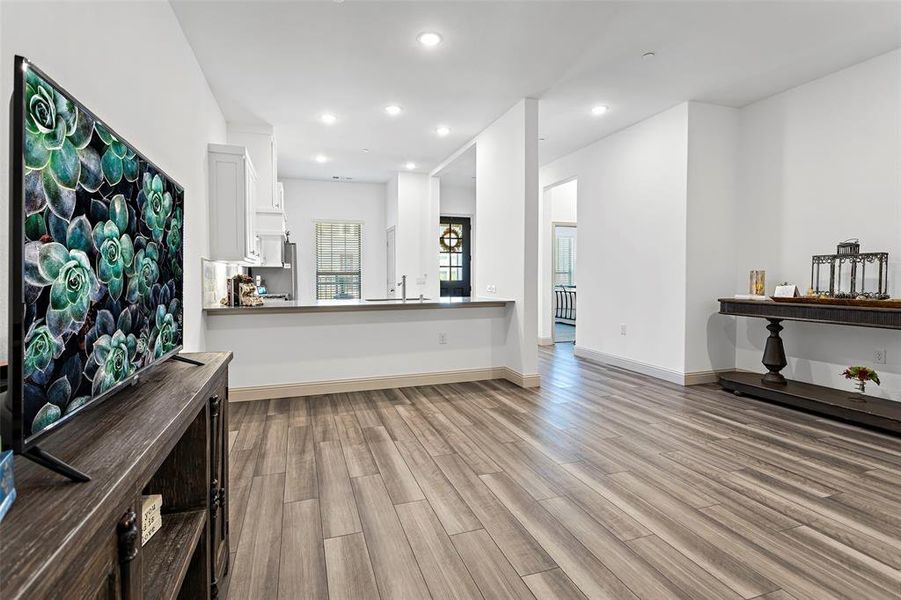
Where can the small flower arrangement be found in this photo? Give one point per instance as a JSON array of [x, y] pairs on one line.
[[860, 376]]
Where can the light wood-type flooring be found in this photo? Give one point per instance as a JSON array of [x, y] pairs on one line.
[[600, 484]]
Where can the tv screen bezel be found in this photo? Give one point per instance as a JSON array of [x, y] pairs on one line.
[[16, 305]]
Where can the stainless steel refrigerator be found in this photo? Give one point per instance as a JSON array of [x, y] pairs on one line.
[[280, 281]]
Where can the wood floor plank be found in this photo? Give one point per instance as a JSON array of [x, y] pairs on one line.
[[607, 513], [709, 556], [640, 577], [452, 511], [441, 566], [521, 549], [302, 574], [492, 572], [804, 575], [427, 435], [301, 480], [274, 451], [396, 570], [356, 451], [680, 570], [257, 559], [337, 504], [402, 486], [350, 575], [553, 585], [593, 578]]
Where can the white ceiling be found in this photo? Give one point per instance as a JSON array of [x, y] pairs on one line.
[[285, 63]]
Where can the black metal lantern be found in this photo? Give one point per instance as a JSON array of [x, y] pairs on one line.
[[850, 273]]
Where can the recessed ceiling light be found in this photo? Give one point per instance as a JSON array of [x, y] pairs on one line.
[[410, 166], [365, 150], [321, 158], [393, 110], [429, 39], [650, 54], [599, 110], [328, 118], [442, 130]]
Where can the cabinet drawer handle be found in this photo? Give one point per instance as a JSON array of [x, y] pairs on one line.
[[127, 529]]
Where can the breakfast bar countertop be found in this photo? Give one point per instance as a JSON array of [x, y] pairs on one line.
[[296, 306]]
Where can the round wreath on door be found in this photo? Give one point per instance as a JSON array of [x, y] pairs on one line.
[[451, 240]]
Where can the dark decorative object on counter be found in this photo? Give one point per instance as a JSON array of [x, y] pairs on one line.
[[847, 273]]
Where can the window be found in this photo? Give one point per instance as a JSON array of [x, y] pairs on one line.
[[338, 250], [565, 256]]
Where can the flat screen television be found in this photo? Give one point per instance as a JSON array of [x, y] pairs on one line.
[[96, 263]]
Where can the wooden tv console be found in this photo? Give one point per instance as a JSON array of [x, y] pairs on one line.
[[167, 435]]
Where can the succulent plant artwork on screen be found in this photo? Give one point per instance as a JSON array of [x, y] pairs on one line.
[[103, 256]]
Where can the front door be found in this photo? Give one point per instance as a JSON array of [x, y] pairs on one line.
[[454, 258]]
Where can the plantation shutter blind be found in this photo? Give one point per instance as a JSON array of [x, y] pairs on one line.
[[338, 256]]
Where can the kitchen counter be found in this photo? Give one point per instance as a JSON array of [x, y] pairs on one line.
[[329, 306]]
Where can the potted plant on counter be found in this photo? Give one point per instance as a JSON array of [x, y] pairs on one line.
[[860, 376]]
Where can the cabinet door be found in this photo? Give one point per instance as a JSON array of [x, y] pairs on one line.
[[227, 211], [273, 181], [250, 212], [219, 554]]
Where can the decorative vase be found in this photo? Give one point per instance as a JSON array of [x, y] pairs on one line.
[[861, 386]]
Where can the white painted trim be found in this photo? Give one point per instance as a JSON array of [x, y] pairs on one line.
[[701, 377], [362, 384], [671, 375], [663, 373], [545, 341], [528, 380]]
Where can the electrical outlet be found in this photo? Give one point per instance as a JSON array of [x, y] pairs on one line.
[[492, 289], [442, 338], [622, 329], [879, 357]]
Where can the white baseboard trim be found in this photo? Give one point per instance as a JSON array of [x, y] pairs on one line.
[[362, 384], [529, 380], [671, 375], [663, 373], [702, 377], [545, 341]]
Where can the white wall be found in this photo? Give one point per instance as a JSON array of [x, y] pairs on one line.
[[822, 163], [412, 209], [507, 212], [632, 190], [131, 64], [710, 236], [558, 205], [308, 201], [320, 347], [458, 200]]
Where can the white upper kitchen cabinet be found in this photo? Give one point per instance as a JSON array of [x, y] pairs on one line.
[[233, 189], [263, 149]]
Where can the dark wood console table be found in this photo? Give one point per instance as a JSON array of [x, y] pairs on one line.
[[774, 387], [168, 435]]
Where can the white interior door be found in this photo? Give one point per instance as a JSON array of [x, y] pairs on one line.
[[391, 262]]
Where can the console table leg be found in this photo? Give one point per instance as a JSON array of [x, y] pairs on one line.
[[774, 353]]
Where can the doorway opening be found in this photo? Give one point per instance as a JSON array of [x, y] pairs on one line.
[[564, 261], [455, 256]]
